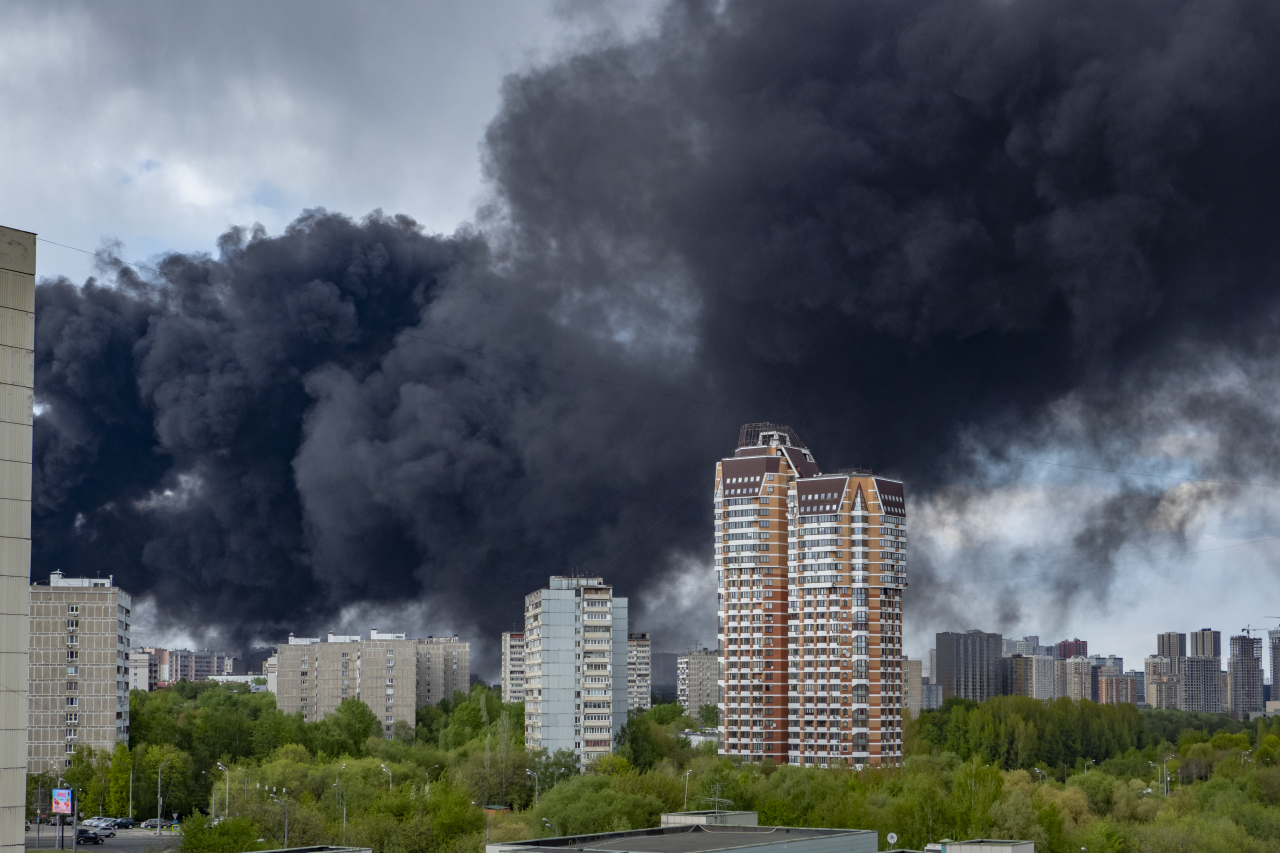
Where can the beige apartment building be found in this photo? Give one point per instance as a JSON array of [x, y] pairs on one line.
[[152, 667], [810, 570], [391, 673], [79, 678], [17, 345], [512, 666], [639, 678], [697, 680]]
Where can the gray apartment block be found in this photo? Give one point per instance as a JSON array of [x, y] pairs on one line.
[[1202, 688], [391, 673], [575, 634], [697, 677], [17, 343], [512, 666], [968, 664], [639, 675], [78, 678], [1244, 676]]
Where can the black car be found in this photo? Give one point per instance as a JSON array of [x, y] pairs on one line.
[[124, 823], [88, 836]]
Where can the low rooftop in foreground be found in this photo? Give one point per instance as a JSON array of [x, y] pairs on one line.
[[701, 838]]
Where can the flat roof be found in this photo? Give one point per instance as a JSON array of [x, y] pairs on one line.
[[698, 838]]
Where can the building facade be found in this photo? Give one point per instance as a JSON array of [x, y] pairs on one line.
[[969, 664], [1273, 642], [1027, 646], [1075, 677], [1206, 643], [1115, 687], [1068, 649], [78, 680], [512, 666], [913, 686], [1244, 676], [444, 669], [1171, 644], [1163, 681], [1202, 687], [391, 673], [697, 677], [17, 375], [810, 569], [639, 684], [575, 664], [152, 667]]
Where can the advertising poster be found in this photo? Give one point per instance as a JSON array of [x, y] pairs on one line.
[[61, 801]]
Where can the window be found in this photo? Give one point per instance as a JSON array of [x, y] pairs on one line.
[[73, 670], [73, 609], [389, 718], [73, 685], [72, 702], [73, 718]]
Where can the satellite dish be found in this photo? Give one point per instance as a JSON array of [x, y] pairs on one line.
[[893, 838]]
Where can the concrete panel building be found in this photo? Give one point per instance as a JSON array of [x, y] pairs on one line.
[[1171, 645], [968, 664], [78, 680], [1074, 678], [575, 657], [1116, 687], [1202, 682], [913, 686], [1273, 642], [697, 674], [17, 372], [391, 673], [153, 667], [639, 684], [512, 666], [1244, 676]]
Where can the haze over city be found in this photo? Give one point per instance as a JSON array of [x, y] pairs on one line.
[[431, 306]]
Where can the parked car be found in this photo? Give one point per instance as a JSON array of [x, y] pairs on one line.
[[84, 835], [124, 823], [154, 823], [28, 826], [54, 818], [106, 829]]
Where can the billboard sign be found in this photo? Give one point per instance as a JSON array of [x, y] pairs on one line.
[[61, 801]]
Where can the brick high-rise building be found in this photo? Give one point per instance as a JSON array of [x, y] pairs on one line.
[[1115, 688], [79, 673], [512, 666], [575, 654], [810, 605], [17, 343], [969, 664], [1244, 676], [1068, 649], [639, 678], [1075, 677], [697, 677], [1273, 641]]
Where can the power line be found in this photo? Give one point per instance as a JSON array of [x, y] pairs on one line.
[[409, 334], [1154, 476], [1099, 568]]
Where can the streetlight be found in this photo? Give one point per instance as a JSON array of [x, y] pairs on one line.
[[285, 803], [160, 799], [228, 803], [686, 789], [343, 794], [551, 826], [391, 779], [529, 772], [429, 769], [486, 821]]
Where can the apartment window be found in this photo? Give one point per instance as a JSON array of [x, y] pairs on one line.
[[73, 718], [391, 681], [73, 670], [391, 653], [389, 718], [72, 734], [72, 701], [73, 609], [306, 657], [73, 624], [71, 747], [344, 654], [73, 685]]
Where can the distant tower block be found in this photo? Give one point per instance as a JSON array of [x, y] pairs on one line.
[[17, 373]]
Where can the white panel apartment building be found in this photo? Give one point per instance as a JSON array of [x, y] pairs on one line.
[[697, 674], [79, 679], [575, 653], [639, 678], [512, 666]]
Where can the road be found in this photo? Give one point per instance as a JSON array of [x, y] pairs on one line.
[[126, 840]]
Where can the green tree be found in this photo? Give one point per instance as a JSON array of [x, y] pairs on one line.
[[118, 781], [709, 716]]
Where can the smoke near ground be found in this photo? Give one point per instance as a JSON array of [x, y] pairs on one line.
[[938, 238]]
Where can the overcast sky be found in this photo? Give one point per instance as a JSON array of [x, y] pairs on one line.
[[158, 125]]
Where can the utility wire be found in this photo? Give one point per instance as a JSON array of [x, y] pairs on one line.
[[1154, 476], [483, 353], [1099, 568]]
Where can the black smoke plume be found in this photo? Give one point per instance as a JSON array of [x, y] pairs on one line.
[[922, 233]]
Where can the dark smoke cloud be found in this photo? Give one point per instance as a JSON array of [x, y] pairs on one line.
[[922, 233]]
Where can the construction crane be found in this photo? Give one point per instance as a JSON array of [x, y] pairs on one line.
[[1249, 629]]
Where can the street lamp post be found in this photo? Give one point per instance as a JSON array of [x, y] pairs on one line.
[[343, 794], [429, 769], [486, 821], [227, 805], [551, 826], [285, 803], [391, 781], [159, 798], [686, 789], [529, 772]]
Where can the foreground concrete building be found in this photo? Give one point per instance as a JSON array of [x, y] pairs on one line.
[[575, 654], [512, 666], [697, 677], [17, 345], [79, 669]]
